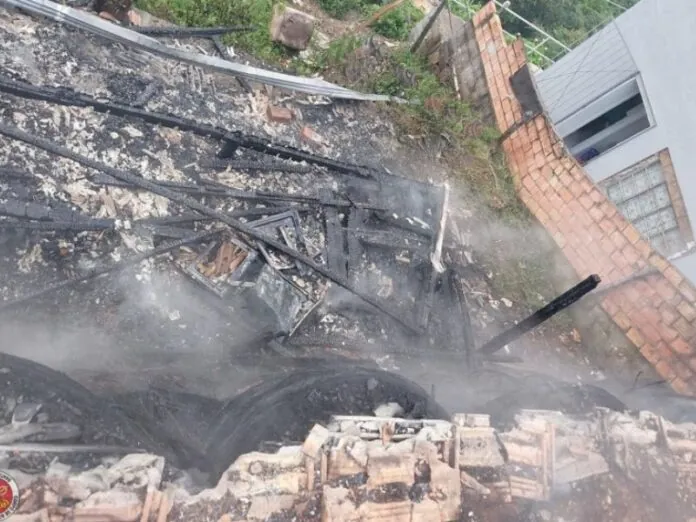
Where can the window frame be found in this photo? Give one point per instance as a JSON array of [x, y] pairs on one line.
[[580, 118], [676, 202]]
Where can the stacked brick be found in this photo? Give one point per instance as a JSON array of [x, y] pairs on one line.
[[657, 313]]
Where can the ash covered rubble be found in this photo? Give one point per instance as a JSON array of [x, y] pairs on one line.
[[155, 174], [98, 176]]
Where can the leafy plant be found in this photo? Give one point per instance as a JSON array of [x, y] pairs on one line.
[[397, 23], [340, 8], [338, 50], [209, 13]]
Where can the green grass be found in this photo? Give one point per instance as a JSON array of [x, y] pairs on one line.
[[340, 8], [210, 13], [396, 24]]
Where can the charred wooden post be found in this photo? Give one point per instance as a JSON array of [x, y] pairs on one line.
[[560, 303]]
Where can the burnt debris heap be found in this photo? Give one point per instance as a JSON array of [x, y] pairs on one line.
[[293, 234]]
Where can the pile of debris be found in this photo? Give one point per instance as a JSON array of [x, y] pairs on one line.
[[604, 466], [96, 176]]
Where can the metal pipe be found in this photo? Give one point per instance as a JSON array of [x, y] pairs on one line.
[[560, 303]]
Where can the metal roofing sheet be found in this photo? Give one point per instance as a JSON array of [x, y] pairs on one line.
[[593, 68], [95, 25]]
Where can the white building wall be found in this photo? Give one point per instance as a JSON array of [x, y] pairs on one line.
[[661, 37]]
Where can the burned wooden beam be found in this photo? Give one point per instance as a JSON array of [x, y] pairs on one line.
[[232, 139], [356, 220], [435, 269], [335, 243], [256, 166], [464, 319], [190, 32], [382, 239], [387, 217], [29, 210], [116, 267], [187, 201], [562, 302], [218, 190], [64, 226], [15, 173]]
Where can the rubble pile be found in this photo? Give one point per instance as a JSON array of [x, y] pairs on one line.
[[98, 176], [551, 466]]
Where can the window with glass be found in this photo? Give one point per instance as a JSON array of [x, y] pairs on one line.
[[642, 196]]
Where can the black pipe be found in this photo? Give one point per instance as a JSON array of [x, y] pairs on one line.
[[561, 302]]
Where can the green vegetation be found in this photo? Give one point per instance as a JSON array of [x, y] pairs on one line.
[[210, 13], [397, 24], [568, 21], [340, 8]]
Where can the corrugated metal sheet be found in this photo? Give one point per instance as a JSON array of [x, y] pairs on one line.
[[115, 33], [594, 67]]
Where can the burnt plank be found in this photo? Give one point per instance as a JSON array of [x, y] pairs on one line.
[[357, 217], [335, 243]]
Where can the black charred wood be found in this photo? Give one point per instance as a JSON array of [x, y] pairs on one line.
[[232, 140], [357, 217], [562, 302], [191, 32], [335, 243], [194, 205]]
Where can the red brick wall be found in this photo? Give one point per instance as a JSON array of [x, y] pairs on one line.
[[656, 313]]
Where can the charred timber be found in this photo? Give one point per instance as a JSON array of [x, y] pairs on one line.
[[187, 201], [116, 267], [562, 302], [191, 32], [231, 139], [212, 189], [273, 166]]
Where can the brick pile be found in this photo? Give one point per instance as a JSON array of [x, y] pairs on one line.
[[656, 312], [388, 469]]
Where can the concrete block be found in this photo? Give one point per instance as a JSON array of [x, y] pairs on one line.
[[384, 467], [292, 28], [315, 440]]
